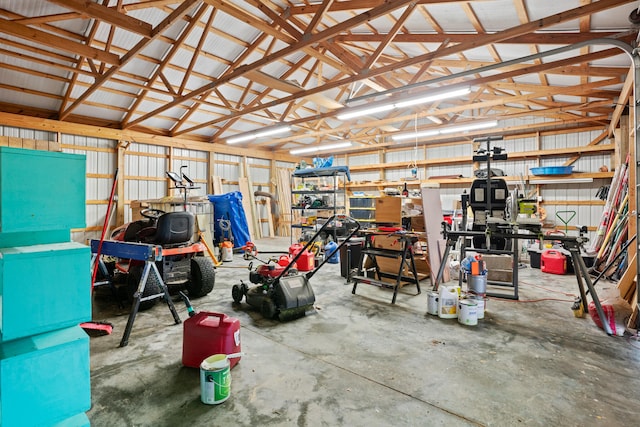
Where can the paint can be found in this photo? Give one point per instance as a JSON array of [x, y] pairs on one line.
[[480, 303], [432, 303], [467, 312], [477, 284], [215, 379], [448, 302]]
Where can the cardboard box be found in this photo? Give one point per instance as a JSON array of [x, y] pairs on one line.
[[417, 223], [498, 262], [499, 275], [388, 210], [136, 207]]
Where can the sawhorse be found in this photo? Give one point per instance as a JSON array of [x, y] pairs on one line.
[[138, 252]]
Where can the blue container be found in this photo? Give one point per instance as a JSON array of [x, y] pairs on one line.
[[43, 288], [552, 170], [331, 252], [45, 379], [40, 191]]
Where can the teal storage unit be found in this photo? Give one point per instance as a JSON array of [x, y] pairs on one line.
[[79, 420], [41, 191], [43, 287], [44, 379]]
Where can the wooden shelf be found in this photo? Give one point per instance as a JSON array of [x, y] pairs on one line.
[[467, 181]]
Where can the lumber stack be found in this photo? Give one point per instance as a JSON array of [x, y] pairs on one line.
[[613, 228], [283, 190]]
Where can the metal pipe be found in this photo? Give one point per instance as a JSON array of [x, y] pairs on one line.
[[605, 40]]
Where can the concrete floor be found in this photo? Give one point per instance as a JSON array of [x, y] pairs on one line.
[[360, 361]]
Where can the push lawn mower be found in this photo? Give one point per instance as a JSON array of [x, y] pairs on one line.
[[284, 292]]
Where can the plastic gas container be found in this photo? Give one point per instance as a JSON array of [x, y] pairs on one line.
[[206, 334], [553, 261], [306, 262]]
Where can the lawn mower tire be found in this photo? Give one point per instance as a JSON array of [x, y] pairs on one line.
[[203, 277]]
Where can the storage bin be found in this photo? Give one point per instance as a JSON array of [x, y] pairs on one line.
[[41, 190], [43, 287], [45, 378]]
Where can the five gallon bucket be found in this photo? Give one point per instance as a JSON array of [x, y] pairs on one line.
[[215, 379], [467, 312]]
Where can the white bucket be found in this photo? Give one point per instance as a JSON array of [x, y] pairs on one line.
[[448, 302], [215, 379], [480, 302], [432, 303], [467, 312]]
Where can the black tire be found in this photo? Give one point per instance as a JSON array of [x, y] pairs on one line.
[[236, 293], [268, 308], [152, 286], [203, 277]]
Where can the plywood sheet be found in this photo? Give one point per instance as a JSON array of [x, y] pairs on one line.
[[432, 209]]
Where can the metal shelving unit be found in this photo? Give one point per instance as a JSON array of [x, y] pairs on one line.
[[316, 196]]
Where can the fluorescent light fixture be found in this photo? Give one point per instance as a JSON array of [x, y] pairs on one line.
[[445, 130], [561, 181], [365, 111], [415, 135], [320, 148], [254, 135], [470, 126]]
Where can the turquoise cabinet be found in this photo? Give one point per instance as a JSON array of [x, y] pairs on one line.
[[43, 287], [41, 191], [45, 379]]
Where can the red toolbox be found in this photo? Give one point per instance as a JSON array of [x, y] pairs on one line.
[[206, 334], [553, 261]]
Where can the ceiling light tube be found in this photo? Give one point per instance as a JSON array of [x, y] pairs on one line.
[[415, 135], [431, 98], [320, 148], [253, 135], [470, 126], [365, 111], [445, 130]]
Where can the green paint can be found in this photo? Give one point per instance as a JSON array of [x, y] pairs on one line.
[[215, 379]]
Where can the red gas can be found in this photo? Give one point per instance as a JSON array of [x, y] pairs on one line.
[[554, 262], [206, 334], [306, 262]]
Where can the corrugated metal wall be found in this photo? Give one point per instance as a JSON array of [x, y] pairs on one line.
[[145, 166]]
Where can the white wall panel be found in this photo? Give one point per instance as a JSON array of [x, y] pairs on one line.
[[364, 159]]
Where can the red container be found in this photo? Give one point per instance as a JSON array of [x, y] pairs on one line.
[[306, 262], [206, 334], [554, 262]]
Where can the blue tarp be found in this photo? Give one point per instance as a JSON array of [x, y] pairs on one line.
[[229, 206]]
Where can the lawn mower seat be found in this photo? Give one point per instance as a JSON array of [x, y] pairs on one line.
[[171, 228]]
